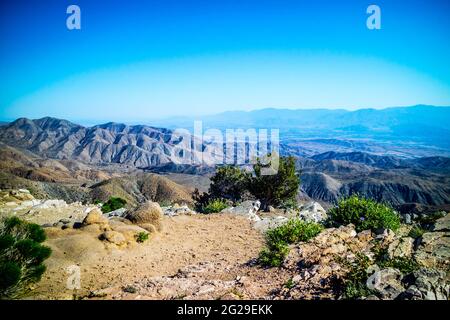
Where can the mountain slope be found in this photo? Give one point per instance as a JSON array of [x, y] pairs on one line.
[[140, 146]]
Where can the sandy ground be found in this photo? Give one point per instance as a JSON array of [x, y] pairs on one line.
[[226, 241]]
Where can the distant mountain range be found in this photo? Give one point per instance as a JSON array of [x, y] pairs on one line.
[[406, 120], [412, 131], [331, 167]]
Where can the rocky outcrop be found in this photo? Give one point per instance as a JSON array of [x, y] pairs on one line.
[[267, 223], [312, 212], [247, 208], [428, 284], [324, 262], [177, 210]]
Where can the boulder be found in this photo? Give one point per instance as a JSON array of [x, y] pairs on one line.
[[386, 283], [312, 212], [148, 212], [95, 216]]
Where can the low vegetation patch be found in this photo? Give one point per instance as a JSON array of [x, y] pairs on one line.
[[278, 239], [354, 284], [142, 237], [416, 232], [113, 204], [405, 265], [215, 206], [21, 256], [364, 214]]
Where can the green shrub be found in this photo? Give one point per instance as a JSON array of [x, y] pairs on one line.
[[354, 286], [112, 204], [229, 183], [21, 256], [165, 203], [142, 237], [274, 255], [364, 214], [278, 239], [416, 232], [293, 231], [404, 264], [215, 206], [289, 284], [276, 189]]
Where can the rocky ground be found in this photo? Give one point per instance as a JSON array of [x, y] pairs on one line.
[[194, 256]]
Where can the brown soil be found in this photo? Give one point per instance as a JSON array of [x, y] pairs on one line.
[[229, 242]]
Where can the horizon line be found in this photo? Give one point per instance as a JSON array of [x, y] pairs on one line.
[[137, 122]]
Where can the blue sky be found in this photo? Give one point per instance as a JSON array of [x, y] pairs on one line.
[[139, 60]]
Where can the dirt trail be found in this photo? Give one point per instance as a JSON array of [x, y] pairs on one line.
[[227, 242]]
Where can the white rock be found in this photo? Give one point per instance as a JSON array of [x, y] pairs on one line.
[[246, 208], [269, 223], [312, 212], [117, 213], [30, 203]]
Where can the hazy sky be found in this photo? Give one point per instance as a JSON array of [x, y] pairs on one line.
[[137, 60]]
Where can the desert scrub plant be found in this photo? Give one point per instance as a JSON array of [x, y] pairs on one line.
[[21, 256], [142, 237], [112, 204], [273, 255], [165, 203], [278, 239], [364, 214], [289, 284], [293, 231], [416, 232], [215, 206], [405, 265], [354, 286]]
